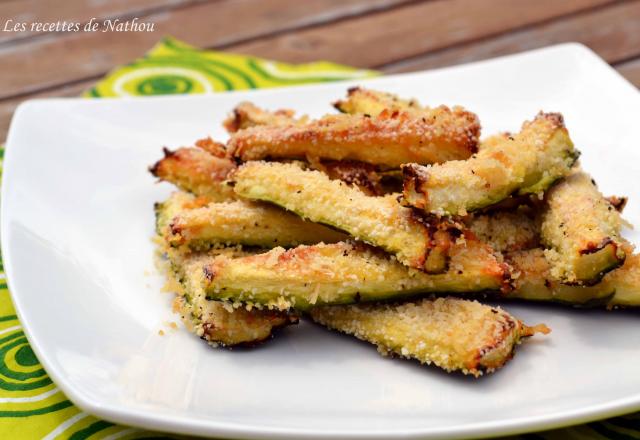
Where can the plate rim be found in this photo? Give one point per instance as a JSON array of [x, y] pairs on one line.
[[181, 424]]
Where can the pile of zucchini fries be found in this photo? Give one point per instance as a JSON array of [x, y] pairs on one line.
[[387, 221]]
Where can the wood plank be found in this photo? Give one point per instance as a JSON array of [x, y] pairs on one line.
[[404, 32], [7, 107], [56, 59], [611, 32], [630, 70], [79, 11]]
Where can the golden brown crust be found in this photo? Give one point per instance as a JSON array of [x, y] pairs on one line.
[[388, 139], [212, 147], [246, 115], [362, 175], [372, 102]]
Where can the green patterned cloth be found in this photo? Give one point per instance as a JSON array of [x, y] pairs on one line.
[[31, 406]]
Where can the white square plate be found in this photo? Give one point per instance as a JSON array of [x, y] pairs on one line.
[[77, 220]]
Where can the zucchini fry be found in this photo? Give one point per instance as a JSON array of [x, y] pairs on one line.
[[343, 273], [534, 281], [582, 230], [527, 163], [217, 322], [453, 334], [368, 102], [379, 221], [196, 171], [187, 220], [246, 115], [388, 139]]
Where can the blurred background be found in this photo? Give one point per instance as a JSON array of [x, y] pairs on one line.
[[387, 35]]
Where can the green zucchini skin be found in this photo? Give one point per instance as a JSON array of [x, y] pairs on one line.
[[528, 162]]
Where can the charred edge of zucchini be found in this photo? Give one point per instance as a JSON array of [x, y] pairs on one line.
[[155, 168], [414, 178], [492, 356], [618, 202], [354, 173], [592, 248], [212, 147], [339, 104], [289, 319], [233, 123], [441, 235]]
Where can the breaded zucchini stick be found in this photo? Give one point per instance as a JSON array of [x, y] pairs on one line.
[[582, 231], [216, 322], [388, 139], [379, 221], [528, 162], [372, 103], [534, 281], [247, 114], [453, 334], [196, 171], [343, 273], [198, 224]]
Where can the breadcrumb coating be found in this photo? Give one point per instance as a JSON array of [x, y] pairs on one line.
[[196, 171], [247, 114], [212, 147], [343, 273], [507, 231], [526, 163], [373, 102], [389, 139], [582, 231], [453, 334], [379, 221], [238, 222]]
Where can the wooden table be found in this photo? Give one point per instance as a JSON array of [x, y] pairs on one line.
[[389, 35]]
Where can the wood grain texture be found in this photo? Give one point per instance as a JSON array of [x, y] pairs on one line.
[[381, 39], [612, 32], [631, 71], [36, 64], [81, 11]]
